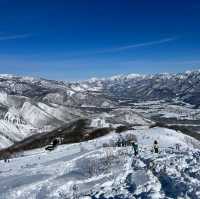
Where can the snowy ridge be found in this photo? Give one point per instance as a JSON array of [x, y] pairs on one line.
[[117, 77]]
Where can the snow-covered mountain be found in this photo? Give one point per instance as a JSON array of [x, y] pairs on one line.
[[182, 86], [32, 105], [142, 108]]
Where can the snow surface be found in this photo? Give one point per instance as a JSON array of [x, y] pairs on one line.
[[88, 170], [99, 123]]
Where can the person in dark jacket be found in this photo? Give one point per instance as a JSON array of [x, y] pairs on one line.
[[120, 140], [156, 146], [135, 148], [178, 147], [55, 142]]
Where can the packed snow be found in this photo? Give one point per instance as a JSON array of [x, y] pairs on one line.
[[91, 170]]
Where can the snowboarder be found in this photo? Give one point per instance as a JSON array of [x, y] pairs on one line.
[[55, 142], [135, 148], [156, 146]]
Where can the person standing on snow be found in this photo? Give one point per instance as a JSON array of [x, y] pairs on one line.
[[135, 148], [178, 147], [123, 142], [156, 146], [120, 140]]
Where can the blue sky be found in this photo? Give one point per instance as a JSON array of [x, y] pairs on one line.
[[76, 39]]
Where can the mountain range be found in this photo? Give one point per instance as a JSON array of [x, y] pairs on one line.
[[34, 105]]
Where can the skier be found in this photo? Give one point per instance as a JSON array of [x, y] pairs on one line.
[[156, 146], [135, 147]]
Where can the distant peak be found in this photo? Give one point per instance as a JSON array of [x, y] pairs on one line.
[[7, 75], [134, 75]]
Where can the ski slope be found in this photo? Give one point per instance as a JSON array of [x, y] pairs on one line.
[[88, 170]]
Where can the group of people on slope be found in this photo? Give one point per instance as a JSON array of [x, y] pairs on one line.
[[136, 148], [121, 142]]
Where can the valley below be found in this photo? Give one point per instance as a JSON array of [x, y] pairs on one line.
[[91, 118]]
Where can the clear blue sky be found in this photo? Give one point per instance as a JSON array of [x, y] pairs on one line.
[[79, 39]]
